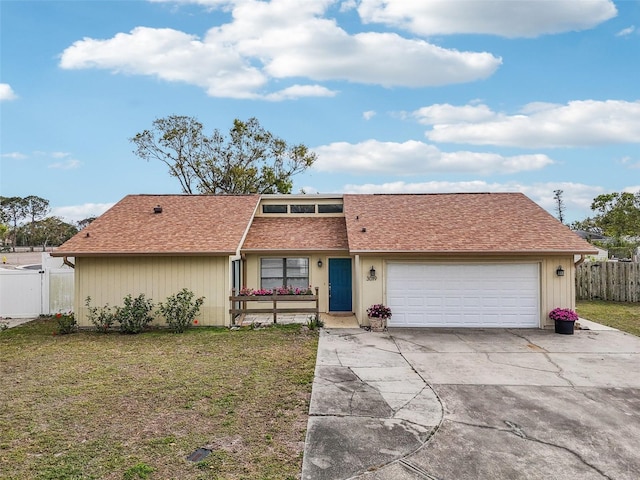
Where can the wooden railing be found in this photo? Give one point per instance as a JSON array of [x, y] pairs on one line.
[[243, 300]]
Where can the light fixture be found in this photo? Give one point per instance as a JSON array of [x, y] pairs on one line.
[[372, 274], [560, 271], [319, 263]]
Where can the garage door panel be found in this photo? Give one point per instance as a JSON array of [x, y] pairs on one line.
[[463, 295]]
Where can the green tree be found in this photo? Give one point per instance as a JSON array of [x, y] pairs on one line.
[[36, 208], [51, 231], [249, 160], [13, 210], [617, 214]]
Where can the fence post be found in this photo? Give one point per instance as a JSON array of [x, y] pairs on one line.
[[317, 306], [275, 306]]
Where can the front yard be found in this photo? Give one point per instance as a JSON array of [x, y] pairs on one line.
[[620, 315], [96, 406]]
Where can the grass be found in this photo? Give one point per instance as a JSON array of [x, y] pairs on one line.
[[620, 315], [111, 406]]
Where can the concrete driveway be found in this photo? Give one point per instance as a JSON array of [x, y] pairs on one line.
[[475, 404]]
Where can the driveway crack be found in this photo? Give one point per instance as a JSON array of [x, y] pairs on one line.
[[515, 429]]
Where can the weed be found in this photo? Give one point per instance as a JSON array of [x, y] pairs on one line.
[[139, 470]]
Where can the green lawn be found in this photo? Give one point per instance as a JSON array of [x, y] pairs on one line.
[[623, 316], [96, 406]]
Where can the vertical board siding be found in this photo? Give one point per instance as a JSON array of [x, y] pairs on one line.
[[107, 280], [611, 281]]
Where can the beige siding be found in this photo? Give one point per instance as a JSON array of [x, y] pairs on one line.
[[107, 280]]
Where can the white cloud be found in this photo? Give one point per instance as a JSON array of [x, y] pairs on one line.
[[7, 93], [538, 125], [69, 164], [625, 32], [76, 213], [505, 18], [281, 39], [298, 91], [369, 114], [14, 155], [411, 157], [576, 196]]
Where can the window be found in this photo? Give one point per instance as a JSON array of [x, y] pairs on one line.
[[284, 272], [302, 208], [330, 208], [274, 209]]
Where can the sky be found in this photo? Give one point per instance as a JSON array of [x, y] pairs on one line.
[[394, 96]]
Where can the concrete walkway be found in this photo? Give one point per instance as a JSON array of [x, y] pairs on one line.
[[475, 404]]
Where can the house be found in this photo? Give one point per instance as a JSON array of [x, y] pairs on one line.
[[438, 260]]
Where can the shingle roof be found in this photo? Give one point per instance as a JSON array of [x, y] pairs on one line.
[[301, 233], [188, 224], [487, 223]]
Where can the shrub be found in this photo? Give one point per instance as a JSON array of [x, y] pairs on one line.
[[101, 317], [135, 315], [66, 323], [180, 310]]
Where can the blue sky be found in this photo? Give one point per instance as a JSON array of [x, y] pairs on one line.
[[394, 96]]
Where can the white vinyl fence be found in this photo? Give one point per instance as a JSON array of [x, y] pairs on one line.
[[26, 293]]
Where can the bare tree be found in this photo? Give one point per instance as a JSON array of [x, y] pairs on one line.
[[560, 208]]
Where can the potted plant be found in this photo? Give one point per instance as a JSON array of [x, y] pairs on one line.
[[378, 315], [564, 318]]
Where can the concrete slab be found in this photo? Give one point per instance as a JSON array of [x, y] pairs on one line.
[[498, 404]]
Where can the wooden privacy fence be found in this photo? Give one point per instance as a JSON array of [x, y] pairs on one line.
[[613, 281], [239, 304]]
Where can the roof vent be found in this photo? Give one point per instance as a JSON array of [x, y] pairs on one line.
[[157, 209]]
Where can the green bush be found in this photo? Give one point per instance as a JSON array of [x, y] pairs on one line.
[[180, 310], [66, 323], [101, 317], [135, 315]]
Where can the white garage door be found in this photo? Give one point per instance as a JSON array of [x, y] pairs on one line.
[[463, 295]]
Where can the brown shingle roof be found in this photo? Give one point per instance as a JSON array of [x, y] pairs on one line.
[[301, 233], [489, 223], [188, 224]]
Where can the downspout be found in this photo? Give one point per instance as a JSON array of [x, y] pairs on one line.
[[579, 262], [66, 261]]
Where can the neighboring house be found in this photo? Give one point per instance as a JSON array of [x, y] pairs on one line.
[[438, 260], [601, 256]]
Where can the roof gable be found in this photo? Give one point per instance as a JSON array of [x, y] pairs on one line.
[[296, 233], [491, 223], [187, 224]]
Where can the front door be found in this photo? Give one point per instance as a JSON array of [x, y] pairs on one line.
[[340, 285]]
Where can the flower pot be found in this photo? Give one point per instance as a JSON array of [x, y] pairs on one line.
[[564, 327], [377, 324]]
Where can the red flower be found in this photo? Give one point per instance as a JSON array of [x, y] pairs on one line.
[[58, 315], [195, 322]]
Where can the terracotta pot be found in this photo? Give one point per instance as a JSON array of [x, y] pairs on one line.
[[377, 324]]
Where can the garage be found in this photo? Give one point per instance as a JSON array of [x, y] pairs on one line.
[[498, 295]]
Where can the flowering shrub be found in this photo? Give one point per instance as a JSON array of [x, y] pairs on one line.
[[180, 310], [379, 311], [135, 315], [66, 323], [101, 317], [563, 314], [244, 291]]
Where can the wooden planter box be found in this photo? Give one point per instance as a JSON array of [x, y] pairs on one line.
[[241, 301]]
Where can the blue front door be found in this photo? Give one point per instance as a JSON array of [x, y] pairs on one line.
[[340, 285]]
